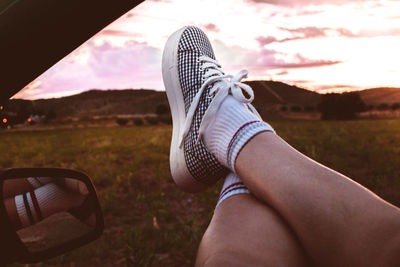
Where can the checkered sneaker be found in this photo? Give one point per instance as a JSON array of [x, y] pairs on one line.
[[183, 77], [202, 164]]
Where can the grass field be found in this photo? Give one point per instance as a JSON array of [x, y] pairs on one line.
[[148, 221]]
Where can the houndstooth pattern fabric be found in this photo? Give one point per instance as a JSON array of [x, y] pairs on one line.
[[202, 165]]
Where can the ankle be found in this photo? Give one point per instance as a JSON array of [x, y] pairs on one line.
[[234, 125], [243, 136], [233, 185]]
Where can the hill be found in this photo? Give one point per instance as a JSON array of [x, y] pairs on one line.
[[271, 98], [376, 96], [271, 92], [100, 102]]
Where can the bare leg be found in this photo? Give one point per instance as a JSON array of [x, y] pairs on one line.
[[338, 221], [245, 232]]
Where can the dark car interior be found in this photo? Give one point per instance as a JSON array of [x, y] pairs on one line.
[[37, 34], [34, 36]]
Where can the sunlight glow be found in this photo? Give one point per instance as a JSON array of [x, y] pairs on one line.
[[321, 46]]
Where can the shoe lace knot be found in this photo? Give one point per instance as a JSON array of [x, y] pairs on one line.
[[222, 86]]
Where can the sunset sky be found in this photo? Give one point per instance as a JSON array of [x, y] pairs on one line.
[[322, 45]]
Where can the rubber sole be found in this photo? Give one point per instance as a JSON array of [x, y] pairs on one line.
[[179, 170]]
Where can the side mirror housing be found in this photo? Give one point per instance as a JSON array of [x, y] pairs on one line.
[[46, 212]]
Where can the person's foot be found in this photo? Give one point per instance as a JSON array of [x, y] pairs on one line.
[[193, 167], [197, 90]]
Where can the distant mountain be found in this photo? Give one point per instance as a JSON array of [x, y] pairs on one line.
[[382, 95], [270, 98], [271, 92], [105, 102]]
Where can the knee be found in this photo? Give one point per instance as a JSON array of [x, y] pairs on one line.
[[213, 251], [207, 250]]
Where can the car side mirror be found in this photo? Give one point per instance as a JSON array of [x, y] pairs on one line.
[[46, 212]]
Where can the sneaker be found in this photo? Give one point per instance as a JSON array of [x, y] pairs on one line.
[[193, 168], [193, 79]]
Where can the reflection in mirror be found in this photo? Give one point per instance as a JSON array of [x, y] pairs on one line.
[[48, 212]]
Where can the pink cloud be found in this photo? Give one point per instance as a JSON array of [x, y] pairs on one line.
[[283, 72], [266, 40], [106, 67], [305, 33], [258, 61], [211, 27], [269, 60]]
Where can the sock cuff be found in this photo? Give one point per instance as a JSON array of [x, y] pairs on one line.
[[233, 185], [243, 135], [49, 197], [26, 209], [21, 211], [33, 206]]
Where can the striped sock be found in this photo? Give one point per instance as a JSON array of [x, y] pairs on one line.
[[74, 185], [232, 186], [234, 125], [44, 201]]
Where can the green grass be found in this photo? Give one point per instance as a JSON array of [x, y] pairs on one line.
[[148, 221]]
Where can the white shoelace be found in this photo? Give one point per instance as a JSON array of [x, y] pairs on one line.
[[224, 85]]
